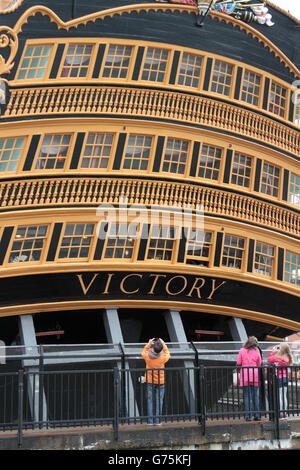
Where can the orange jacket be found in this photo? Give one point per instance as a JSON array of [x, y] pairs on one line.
[[157, 363]]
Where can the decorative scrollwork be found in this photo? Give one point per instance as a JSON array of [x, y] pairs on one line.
[[8, 38]]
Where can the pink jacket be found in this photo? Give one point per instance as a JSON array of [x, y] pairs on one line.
[[279, 361], [249, 358]]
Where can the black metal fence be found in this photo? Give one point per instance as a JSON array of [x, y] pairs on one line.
[[36, 398]]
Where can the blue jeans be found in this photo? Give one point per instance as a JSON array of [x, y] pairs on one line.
[[155, 398], [251, 401]]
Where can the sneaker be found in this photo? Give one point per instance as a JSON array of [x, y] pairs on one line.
[[158, 424]]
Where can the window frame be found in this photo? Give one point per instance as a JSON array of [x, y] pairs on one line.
[[93, 55], [23, 152], [274, 261], [67, 158], [175, 240], [233, 78], [252, 171], [169, 62], [261, 86], [135, 246], [272, 186], [110, 157], [222, 162], [289, 273], [92, 245], [151, 153], [43, 251], [244, 250], [294, 195], [132, 60], [202, 70], [287, 98], [205, 244], [37, 43], [170, 162]]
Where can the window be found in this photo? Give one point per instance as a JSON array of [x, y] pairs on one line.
[[28, 244], [270, 180], [292, 268], [297, 116], [250, 89], [34, 63], [277, 101], [155, 64], [221, 78], [198, 247], [117, 61], [10, 152], [97, 150], [189, 70], [121, 241], [53, 152], [137, 152], [161, 243], [294, 193], [210, 162], [76, 241], [241, 170], [264, 258], [233, 250], [175, 156], [76, 61]]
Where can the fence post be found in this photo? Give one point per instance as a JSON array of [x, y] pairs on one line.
[[20, 406], [275, 401], [116, 403], [40, 381], [202, 405]]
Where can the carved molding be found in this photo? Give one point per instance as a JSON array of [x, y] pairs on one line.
[[8, 6], [8, 39], [119, 11]]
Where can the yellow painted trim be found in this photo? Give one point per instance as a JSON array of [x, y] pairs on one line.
[[150, 304], [154, 7]]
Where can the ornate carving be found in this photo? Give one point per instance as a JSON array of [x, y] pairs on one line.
[[7, 6], [8, 39]]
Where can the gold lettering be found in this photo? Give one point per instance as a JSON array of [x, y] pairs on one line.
[[107, 283], [175, 293], [215, 288], [122, 284], [86, 289], [197, 288], [155, 281]]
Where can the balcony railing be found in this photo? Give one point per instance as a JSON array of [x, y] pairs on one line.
[[89, 191], [156, 104]]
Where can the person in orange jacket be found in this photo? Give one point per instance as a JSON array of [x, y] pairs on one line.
[[155, 354]]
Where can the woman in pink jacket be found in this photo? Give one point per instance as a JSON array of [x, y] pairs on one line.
[[249, 358], [282, 357]]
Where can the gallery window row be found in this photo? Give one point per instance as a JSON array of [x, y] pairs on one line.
[[159, 65], [100, 152], [156, 242]]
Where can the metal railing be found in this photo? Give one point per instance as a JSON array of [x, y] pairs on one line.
[[38, 398]]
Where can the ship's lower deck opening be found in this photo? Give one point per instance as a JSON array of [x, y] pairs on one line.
[[137, 326]]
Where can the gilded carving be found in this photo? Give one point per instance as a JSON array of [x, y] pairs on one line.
[[8, 6], [8, 39]]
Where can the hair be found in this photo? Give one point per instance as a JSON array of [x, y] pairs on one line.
[[157, 346], [251, 343], [285, 351]]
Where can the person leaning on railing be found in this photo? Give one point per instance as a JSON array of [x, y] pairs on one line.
[[155, 354], [249, 358], [282, 357]]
